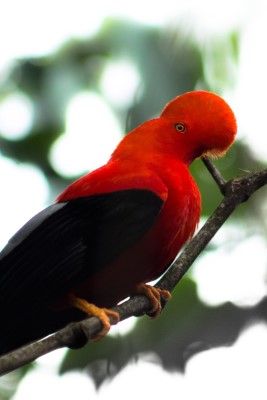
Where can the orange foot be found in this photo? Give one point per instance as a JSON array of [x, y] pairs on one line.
[[104, 314], [154, 295]]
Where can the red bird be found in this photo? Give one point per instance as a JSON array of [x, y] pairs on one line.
[[115, 229]]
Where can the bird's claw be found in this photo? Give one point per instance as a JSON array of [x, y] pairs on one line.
[[103, 314], [154, 294]]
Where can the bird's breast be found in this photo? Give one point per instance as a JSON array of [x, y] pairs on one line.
[[150, 256], [179, 216]]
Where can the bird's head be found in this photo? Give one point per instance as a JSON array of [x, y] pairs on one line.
[[192, 125], [205, 122]]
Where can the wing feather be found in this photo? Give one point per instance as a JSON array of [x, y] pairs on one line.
[[67, 242]]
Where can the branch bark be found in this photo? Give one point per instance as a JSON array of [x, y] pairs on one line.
[[76, 335]]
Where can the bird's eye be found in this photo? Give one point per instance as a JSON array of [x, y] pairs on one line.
[[180, 127]]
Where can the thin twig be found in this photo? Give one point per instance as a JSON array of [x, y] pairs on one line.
[[215, 173], [77, 334]]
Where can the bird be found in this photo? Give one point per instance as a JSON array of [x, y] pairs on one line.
[[114, 230]]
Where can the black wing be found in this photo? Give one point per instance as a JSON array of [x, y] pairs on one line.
[[66, 242]]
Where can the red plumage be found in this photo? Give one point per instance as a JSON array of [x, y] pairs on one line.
[[119, 226]]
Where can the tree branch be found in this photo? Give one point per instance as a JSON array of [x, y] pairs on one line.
[[76, 335]]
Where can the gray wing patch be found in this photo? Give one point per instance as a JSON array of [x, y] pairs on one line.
[[29, 227]]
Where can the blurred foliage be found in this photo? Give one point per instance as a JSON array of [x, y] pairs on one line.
[[221, 61], [169, 63], [9, 382]]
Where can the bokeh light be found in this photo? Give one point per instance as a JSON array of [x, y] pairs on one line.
[[16, 116], [217, 278], [26, 192], [120, 83], [91, 135]]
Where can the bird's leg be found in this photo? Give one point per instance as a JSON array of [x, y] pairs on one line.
[[154, 295], [104, 314]]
